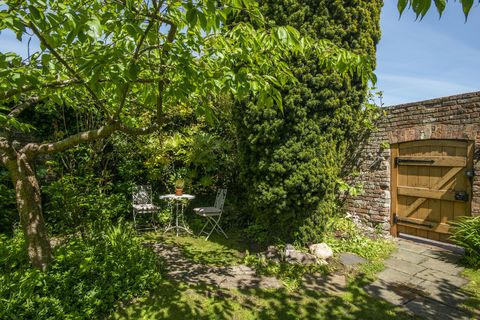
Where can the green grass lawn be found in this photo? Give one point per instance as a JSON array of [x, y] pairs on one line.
[[181, 301], [473, 303]]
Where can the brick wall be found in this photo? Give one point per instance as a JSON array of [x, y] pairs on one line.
[[454, 117]]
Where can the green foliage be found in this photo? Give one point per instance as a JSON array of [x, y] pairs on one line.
[[291, 161], [346, 237], [466, 233], [421, 7], [8, 211], [201, 155], [290, 274], [77, 202], [131, 61], [88, 278], [84, 186]]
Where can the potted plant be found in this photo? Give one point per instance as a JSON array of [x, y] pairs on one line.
[[179, 184]]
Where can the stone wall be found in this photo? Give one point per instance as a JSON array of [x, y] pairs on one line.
[[454, 117]]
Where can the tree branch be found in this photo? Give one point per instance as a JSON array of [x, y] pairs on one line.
[[24, 106], [87, 136], [55, 84], [76, 139]]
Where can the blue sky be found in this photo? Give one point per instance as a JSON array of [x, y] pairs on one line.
[[428, 59], [415, 60]]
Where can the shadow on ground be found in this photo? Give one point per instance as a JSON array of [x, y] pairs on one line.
[[174, 301]]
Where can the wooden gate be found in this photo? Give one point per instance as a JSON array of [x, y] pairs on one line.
[[431, 186]]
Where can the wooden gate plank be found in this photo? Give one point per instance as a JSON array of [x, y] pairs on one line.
[[393, 189], [444, 180], [435, 143], [427, 193], [429, 226]]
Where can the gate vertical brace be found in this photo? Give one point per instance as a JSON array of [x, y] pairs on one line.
[[470, 166], [393, 189]]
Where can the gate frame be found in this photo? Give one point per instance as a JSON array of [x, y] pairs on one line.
[[394, 151]]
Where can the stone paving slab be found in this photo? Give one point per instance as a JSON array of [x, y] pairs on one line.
[[443, 266], [390, 292], [431, 309], [423, 279], [409, 256], [413, 247], [393, 276], [404, 266], [439, 276], [443, 292]]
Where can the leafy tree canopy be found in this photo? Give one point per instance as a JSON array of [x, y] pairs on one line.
[[124, 58]]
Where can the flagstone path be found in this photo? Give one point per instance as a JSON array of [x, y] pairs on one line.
[[424, 279], [238, 276]]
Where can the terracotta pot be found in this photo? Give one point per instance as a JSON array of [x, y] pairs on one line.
[[178, 192]]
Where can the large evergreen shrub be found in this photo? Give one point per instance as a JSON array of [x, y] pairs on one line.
[[291, 160]]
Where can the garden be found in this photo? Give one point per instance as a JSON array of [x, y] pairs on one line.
[[264, 100]]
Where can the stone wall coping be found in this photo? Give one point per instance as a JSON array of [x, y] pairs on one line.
[[433, 102]]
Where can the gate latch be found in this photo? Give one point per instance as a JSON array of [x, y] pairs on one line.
[[461, 196]]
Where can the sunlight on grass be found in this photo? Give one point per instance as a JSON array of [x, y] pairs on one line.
[[174, 300], [177, 301], [217, 251], [473, 303]]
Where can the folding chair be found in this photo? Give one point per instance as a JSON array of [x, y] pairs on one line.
[[213, 214], [142, 204]]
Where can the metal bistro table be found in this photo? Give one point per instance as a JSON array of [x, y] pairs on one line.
[[177, 203]]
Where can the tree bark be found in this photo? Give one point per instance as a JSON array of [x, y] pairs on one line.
[[29, 205]]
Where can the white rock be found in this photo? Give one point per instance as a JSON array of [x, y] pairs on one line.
[[321, 250]]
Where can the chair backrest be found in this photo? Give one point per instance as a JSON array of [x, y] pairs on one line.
[[142, 194], [220, 199]]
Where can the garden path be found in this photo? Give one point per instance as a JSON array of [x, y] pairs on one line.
[[424, 279], [235, 277]]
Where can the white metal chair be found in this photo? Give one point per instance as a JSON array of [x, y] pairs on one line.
[[213, 214], [142, 204]]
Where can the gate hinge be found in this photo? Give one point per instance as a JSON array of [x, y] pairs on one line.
[[395, 219]]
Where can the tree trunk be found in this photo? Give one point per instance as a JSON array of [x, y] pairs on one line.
[[29, 205]]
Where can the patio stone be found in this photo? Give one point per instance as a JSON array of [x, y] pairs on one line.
[[404, 266], [438, 276], [393, 276], [350, 259], [443, 266], [430, 309], [393, 293], [442, 292], [426, 283], [409, 256], [412, 247]]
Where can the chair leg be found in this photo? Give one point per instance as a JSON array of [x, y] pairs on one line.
[[218, 228], [215, 226], [134, 220]]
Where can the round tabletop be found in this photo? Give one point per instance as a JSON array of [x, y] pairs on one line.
[[175, 197]]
